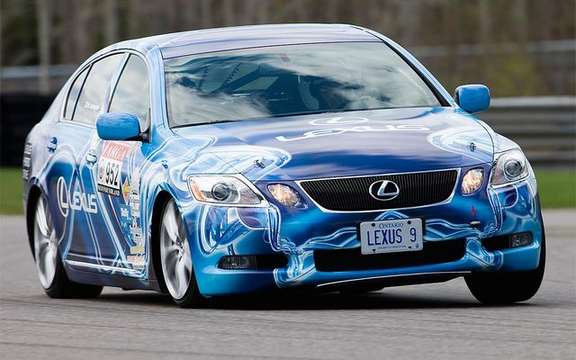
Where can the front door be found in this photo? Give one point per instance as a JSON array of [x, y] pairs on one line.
[[117, 174]]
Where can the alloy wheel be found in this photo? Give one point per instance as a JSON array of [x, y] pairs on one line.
[[45, 244], [175, 254]]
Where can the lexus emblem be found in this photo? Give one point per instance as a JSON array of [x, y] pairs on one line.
[[63, 196], [384, 190]]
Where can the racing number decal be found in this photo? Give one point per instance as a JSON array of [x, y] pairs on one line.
[[110, 166], [112, 173]]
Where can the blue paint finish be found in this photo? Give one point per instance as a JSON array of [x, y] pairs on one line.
[[108, 224], [473, 98], [117, 126], [362, 142]]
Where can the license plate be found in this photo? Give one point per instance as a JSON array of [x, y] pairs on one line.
[[389, 236]]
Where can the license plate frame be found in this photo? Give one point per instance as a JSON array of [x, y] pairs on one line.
[[391, 236]]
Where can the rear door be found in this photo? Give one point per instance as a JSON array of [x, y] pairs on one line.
[[91, 242], [65, 146]]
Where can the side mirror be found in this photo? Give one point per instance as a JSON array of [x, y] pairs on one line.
[[473, 98], [118, 126]]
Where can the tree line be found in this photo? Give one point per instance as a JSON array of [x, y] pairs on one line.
[[68, 31]]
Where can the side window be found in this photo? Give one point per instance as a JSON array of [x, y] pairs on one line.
[[132, 91], [95, 89], [73, 94]]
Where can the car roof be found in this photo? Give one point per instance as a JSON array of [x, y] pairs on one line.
[[240, 37]]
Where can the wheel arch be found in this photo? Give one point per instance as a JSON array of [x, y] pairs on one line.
[[34, 194], [156, 276]]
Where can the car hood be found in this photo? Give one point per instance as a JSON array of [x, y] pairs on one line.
[[348, 143]]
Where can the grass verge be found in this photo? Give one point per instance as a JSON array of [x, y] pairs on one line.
[[10, 190], [557, 188]]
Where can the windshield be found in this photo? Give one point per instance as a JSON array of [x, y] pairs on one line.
[[290, 80]]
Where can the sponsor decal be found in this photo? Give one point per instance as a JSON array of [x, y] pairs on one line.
[[355, 129], [130, 213], [134, 193], [92, 107], [137, 249], [125, 219], [27, 161], [126, 191], [110, 167], [136, 260], [77, 200], [134, 201], [340, 120], [124, 212], [136, 231], [131, 195]]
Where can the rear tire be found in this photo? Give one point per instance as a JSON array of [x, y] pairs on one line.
[[176, 258], [507, 287], [51, 273]]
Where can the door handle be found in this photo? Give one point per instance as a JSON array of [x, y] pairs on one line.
[[52, 144], [91, 157]]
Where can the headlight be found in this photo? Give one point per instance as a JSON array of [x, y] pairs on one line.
[[510, 166], [285, 195], [225, 190], [472, 181]]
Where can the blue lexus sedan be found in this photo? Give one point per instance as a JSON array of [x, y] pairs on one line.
[[259, 158]]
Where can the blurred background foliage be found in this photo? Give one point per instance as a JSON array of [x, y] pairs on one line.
[[517, 47]]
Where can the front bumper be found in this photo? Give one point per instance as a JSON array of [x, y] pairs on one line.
[[297, 233]]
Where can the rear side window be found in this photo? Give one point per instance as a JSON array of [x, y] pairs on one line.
[[95, 89], [73, 94], [132, 91]]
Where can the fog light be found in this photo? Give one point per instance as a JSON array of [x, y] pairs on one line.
[[520, 239], [472, 181], [253, 262], [235, 262], [285, 195]]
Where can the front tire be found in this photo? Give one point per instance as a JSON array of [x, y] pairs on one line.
[[51, 273], [176, 258], [507, 287]]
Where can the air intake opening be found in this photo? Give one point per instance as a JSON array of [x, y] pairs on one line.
[[434, 252]]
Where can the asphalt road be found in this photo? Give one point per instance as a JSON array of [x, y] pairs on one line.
[[439, 321]]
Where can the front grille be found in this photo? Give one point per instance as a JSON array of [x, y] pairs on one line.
[[434, 252], [352, 193]]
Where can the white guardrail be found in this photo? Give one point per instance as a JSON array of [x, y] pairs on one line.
[[545, 127]]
